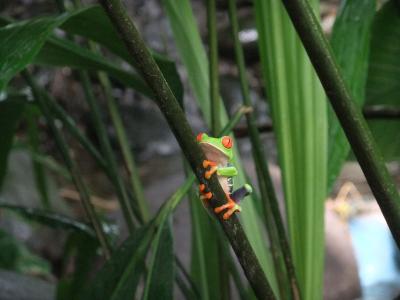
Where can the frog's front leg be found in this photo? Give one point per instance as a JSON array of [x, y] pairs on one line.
[[206, 195], [212, 170]]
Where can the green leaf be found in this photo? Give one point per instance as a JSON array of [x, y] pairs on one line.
[[53, 220], [192, 53], [85, 251], [21, 42], [15, 256], [32, 115], [160, 277], [11, 110], [383, 83], [350, 43], [61, 52], [95, 25], [299, 115], [119, 277], [204, 268]]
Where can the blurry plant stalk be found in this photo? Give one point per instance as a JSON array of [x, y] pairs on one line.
[[350, 117], [186, 139], [274, 224], [43, 99]]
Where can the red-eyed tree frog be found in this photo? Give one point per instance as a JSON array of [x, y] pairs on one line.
[[219, 153]]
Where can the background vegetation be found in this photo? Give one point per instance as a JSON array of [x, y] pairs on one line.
[[104, 53]]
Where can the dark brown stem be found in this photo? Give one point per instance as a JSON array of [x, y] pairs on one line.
[[178, 123]]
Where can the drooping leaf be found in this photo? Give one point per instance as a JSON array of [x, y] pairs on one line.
[[21, 42], [350, 43], [51, 219], [11, 110], [192, 53], [95, 25], [61, 52], [160, 277], [299, 114], [383, 83]]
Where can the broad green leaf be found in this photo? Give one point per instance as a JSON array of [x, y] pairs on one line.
[[21, 42], [11, 110], [299, 115], [160, 277], [350, 43], [383, 83], [119, 277], [193, 56], [95, 25], [51, 219], [61, 52]]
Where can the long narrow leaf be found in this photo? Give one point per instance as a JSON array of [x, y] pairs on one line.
[[192, 53], [300, 120], [160, 277], [351, 43], [61, 52]]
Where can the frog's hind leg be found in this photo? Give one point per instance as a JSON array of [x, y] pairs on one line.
[[242, 192]]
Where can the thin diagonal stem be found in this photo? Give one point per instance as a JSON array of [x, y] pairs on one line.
[[349, 115], [127, 208], [213, 66], [176, 119], [279, 242], [43, 100]]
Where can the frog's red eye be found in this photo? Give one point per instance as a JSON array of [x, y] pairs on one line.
[[199, 136], [227, 142]]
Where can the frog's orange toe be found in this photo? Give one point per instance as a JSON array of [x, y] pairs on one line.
[[207, 163], [208, 195], [230, 212], [209, 173], [202, 187]]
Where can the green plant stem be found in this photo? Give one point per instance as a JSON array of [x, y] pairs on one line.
[[275, 228], [43, 100], [169, 106], [350, 117], [126, 206], [213, 65], [136, 186], [73, 129]]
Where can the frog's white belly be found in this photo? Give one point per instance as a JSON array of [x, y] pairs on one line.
[[224, 182]]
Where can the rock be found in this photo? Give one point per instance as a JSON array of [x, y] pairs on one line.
[[341, 274], [14, 286]]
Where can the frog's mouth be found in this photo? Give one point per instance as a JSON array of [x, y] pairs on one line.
[[214, 154]]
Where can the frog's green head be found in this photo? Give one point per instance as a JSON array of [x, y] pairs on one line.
[[222, 145]]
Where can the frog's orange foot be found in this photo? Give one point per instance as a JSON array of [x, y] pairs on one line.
[[209, 173], [208, 163], [202, 187], [206, 196], [230, 212], [232, 208]]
